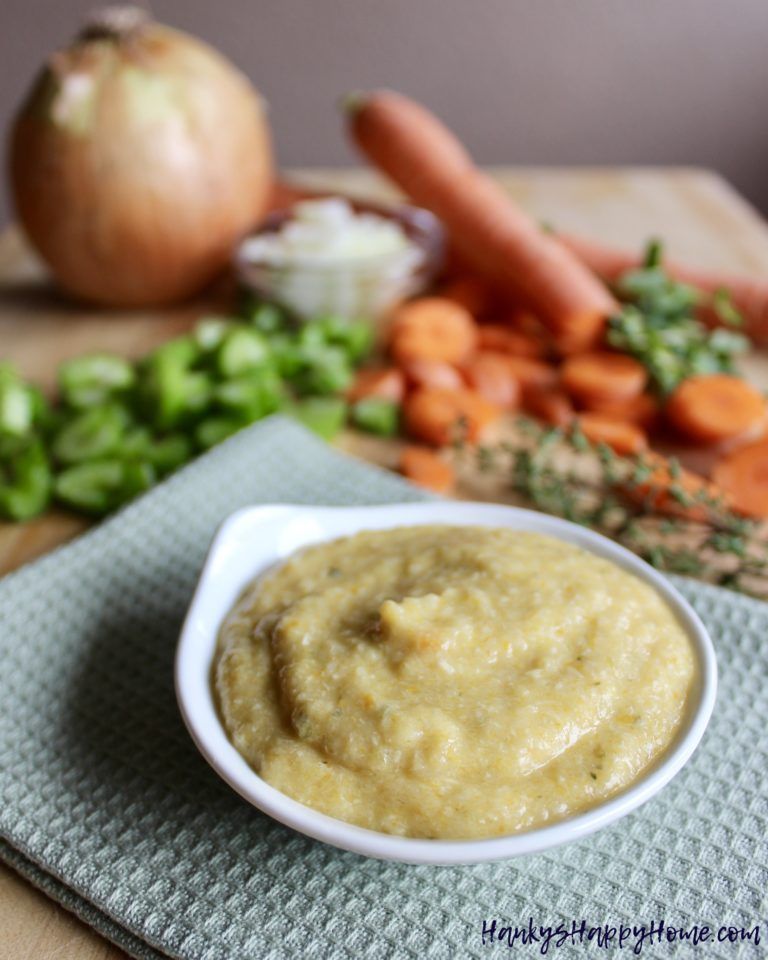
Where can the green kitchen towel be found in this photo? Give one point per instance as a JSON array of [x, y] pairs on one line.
[[108, 808]]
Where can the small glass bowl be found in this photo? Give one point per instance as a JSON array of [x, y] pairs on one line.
[[364, 287]]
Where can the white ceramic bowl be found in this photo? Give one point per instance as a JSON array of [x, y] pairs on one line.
[[256, 537]]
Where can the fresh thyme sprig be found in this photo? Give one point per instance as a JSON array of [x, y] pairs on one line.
[[679, 530]]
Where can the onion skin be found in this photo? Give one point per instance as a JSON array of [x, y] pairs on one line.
[[137, 163]]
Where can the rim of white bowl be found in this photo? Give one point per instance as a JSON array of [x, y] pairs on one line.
[[194, 690]]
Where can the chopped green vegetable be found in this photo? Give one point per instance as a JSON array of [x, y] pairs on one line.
[[25, 482], [657, 325], [17, 404], [100, 486], [42, 413], [266, 317], [252, 397], [94, 379], [326, 370], [120, 425], [325, 416], [376, 415], [165, 454], [169, 453], [210, 332], [170, 391], [184, 351], [90, 435], [242, 349], [213, 430], [288, 356], [355, 337]]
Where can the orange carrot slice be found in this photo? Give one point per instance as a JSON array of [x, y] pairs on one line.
[[715, 407], [532, 374], [425, 468], [498, 239], [603, 376], [490, 376], [387, 383], [624, 438], [644, 410], [743, 475], [551, 406], [432, 373], [440, 417], [432, 328], [501, 339]]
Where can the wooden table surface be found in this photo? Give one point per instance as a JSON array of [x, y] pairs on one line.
[[700, 217]]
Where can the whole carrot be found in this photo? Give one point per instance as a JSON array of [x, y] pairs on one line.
[[490, 231], [748, 295]]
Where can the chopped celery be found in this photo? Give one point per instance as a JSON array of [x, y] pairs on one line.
[[91, 435], [242, 349], [183, 351], [355, 337], [267, 317], [25, 482], [119, 425], [325, 416], [169, 453], [170, 391], [326, 371], [21, 406], [17, 409], [135, 442], [288, 356], [102, 485], [210, 332], [376, 415], [165, 454], [213, 430], [138, 476], [254, 396], [311, 336], [93, 379], [42, 412]]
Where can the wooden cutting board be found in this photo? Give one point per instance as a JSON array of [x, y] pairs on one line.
[[700, 217]]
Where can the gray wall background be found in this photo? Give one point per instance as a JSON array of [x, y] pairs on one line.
[[521, 81]]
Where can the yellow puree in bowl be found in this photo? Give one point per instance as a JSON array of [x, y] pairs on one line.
[[451, 682]]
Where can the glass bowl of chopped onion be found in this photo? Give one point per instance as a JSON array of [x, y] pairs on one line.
[[346, 258]]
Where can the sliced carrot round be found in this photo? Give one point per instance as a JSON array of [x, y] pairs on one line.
[[603, 376], [716, 407], [492, 336], [387, 383], [678, 491], [424, 467], [432, 328], [643, 410], [490, 376], [432, 373], [624, 438], [551, 406], [440, 417], [532, 374], [743, 475]]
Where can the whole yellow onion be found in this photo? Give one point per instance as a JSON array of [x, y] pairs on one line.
[[139, 158]]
